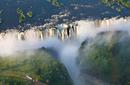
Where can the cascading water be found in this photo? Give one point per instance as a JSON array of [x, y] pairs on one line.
[[65, 39]]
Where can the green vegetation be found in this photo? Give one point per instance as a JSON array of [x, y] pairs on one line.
[[29, 14], [32, 69], [107, 58], [21, 15], [56, 3], [117, 4]]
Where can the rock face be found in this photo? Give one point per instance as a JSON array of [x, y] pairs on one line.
[[32, 68], [106, 58]]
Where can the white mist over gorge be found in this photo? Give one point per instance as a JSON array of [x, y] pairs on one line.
[[74, 43]]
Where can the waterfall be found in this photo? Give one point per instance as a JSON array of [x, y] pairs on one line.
[[65, 38], [62, 31]]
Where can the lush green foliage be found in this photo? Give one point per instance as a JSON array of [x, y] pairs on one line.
[[40, 66], [56, 3], [21, 15], [117, 4], [107, 57], [30, 14]]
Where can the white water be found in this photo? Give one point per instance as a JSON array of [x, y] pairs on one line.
[[13, 41], [68, 56]]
